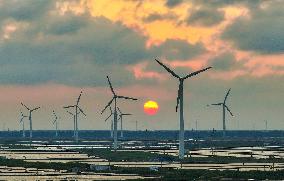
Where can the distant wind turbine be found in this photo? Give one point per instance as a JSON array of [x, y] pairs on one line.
[[111, 126], [55, 121], [121, 115], [136, 125], [266, 127], [23, 123], [30, 118], [114, 98], [180, 101], [77, 109], [225, 107], [74, 122]]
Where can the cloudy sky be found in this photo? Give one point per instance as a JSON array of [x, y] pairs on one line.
[[51, 50]]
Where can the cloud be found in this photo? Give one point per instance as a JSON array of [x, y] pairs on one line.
[[24, 10], [262, 32], [67, 23], [225, 62], [76, 49], [205, 17], [156, 17], [173, 3], [177, 50]]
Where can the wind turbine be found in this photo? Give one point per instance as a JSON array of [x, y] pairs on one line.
[[23, 123], [180, 101], [56, 123], [265, 121], [114, 98], [225, 107], [136, 125], [74, 122], [120, 117], [77, 109], [30, 118], [111, 126]]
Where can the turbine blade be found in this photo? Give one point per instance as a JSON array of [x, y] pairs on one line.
[[108, 117], [70, 113], [35, 109], [82, 111], [197, 72], [21, 120], [109, 83], [119, 110], [227, 95], [126, 114], [229, 110], [124, 97], [65, 107], [109, 103], [79, 98], [168, 69], [110, 109], [218, 104], [25, 106]]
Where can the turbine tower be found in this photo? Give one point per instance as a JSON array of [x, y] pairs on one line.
[[74, 122], [120, 117], [30, 118], [225, 107], [111, 126], [23, 123], [266, 127], [114, 98], [77, 109], [55, 121], [180, 102]]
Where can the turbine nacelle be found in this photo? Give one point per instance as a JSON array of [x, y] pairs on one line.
[[181, 79], [122, 114], [224, 103], [115, 96]]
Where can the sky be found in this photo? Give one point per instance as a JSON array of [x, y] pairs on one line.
[[52, 50]]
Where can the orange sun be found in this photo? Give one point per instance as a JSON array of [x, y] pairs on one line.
[[151, 107]]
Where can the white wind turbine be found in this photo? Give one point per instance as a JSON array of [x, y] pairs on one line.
[[77, 109], [224, 108], [30, 118], [111, 126], [180, 102], [55, 122], [114, 98], [23, 124], [74, 123], [121, 115]]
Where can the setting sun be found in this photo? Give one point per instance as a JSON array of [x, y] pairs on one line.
[[151, 107]]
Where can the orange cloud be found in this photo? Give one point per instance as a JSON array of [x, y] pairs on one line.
[[140, 73]]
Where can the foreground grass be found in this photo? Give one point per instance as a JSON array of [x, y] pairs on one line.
[[141, 156], [131, 156], [163, 173], [42, 165]]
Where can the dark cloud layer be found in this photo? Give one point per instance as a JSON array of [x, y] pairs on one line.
[[76, 49], [173, 3], [156, 17], [263, 32], [205, 17], [24, 10]]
